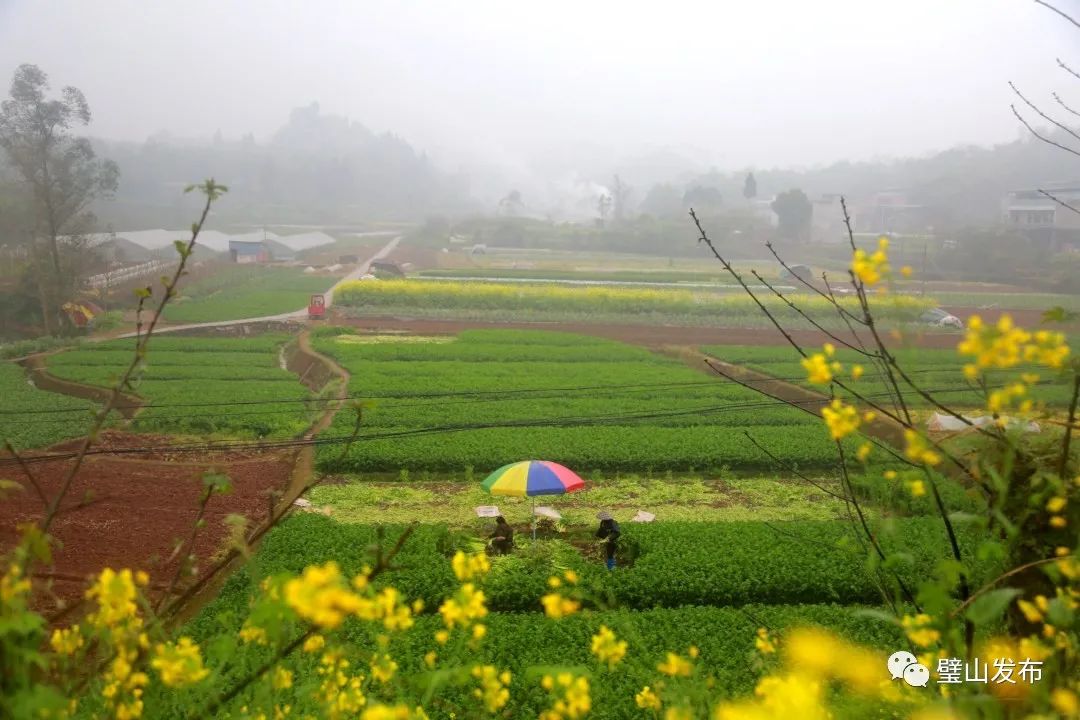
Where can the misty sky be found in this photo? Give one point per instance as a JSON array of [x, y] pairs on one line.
[[537, 85]]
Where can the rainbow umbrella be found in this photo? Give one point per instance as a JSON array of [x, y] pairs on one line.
[[530, 478]]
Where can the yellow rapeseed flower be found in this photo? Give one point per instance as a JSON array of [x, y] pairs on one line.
[[66, 641], [314, 643], [841, 419], [675, 666], [764, 643], [607, 648], [647, 699], [917, 488], [557, 606], [282, 679], [918, 449], [464, 608], [919, 629], [493, 690], [1056, 504], [818, 370], [469, 567], [321, 596], [179, 663]]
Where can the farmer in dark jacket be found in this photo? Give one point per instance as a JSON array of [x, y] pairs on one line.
[[502, 540], [609, 532]]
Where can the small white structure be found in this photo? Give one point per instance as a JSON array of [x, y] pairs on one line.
[[547, 512], [948, 423], [643, 516], [487, 511]]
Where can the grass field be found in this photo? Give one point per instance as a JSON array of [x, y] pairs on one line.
[[183, 374], [241, 291], [492, 397]]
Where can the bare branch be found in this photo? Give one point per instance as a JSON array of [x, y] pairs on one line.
[[1043, 115], [1068, 69], [1060, 202], [1059, 12], [1046, 140], [806, 316], [1062, 104]]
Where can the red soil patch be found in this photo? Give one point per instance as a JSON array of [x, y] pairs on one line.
[[125, 512]]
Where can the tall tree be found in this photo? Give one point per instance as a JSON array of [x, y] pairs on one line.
[[60, 169], [749, 188], [793, 211]]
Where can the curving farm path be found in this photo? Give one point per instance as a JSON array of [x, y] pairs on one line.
[[356, 274]]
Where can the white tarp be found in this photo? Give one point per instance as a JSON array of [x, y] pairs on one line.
[[548, 512], [643, 516], [487, 511], [946, 423]]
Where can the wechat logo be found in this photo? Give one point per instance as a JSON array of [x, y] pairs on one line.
[[903, 664]]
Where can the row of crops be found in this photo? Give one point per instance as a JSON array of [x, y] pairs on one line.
[[198, 386], [491, 397], [529, 301], [938, 371]]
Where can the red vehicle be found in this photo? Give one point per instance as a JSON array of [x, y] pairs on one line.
[[316, 307]]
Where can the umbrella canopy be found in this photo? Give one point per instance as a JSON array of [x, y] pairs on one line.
[[533, 477]]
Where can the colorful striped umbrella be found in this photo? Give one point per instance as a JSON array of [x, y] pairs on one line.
[[531, 478]]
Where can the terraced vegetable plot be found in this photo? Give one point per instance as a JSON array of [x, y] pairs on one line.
[[937, 371], [31, 418], [245, 292], [492, 397], [202, 386]]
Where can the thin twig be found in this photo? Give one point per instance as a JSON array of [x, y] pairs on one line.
[[1068, 69], [1046, 140], [1062, 104], [213, 191], [26, 471], [988, 586], [1064, 128], [806, 316], [1060, 202]]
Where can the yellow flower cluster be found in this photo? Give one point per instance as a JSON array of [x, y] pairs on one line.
[[819, 654], [871, 268], [13, 586], [785, 696], [574, 701], [340, 693], [466, 607], [116, 617], [281, 679], [607, 648], [321, 596], [468, 567], [647, 699], [676, 665], [179, 663], [493, 690], [66, 641], [1004, 346], [918, 449], [842, 420], [820, 369], [764, 643], [388, 606], [558, 606], [920, 630]]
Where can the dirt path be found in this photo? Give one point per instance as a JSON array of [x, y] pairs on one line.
[[881, 428]]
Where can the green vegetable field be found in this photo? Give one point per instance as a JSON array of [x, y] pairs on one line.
[[31, 418], [491, 397], [262, 400]]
